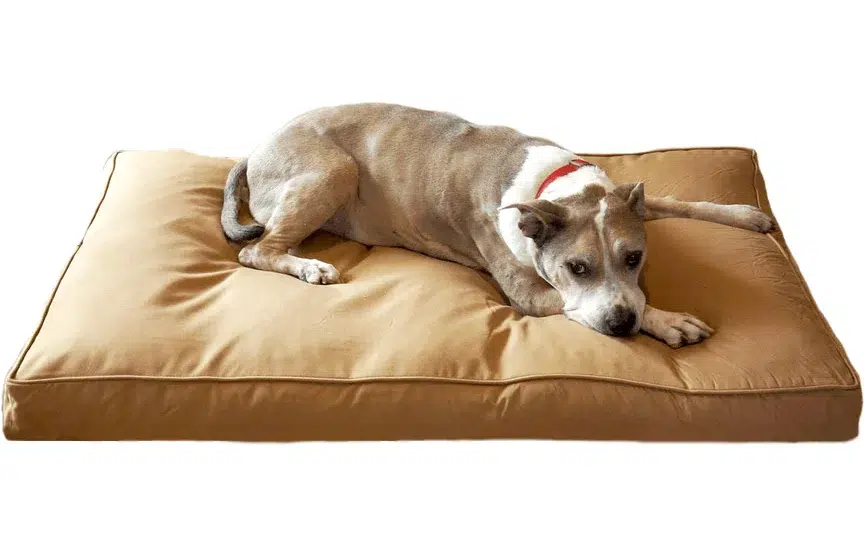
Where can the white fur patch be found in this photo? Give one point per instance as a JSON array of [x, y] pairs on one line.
[[600, 220], [539, 163], [372, 141]]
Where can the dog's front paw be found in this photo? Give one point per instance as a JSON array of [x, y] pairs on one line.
[[676, 329], [318, 272], [750, 217]]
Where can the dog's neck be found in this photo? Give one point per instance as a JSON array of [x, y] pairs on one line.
[[540, 162]]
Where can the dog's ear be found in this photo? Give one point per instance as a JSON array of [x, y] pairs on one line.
[[539, 219], [634, 194]]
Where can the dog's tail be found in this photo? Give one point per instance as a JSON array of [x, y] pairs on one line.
[[231, 207]]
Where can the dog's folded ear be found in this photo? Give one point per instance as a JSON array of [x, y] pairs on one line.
[[634, 195], [539, 219]]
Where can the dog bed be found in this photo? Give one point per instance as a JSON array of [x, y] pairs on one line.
[[156, 332]]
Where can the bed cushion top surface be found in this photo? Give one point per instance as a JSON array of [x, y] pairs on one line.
[[155, 292]]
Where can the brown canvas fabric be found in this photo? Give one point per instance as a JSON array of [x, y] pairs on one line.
[[156, 332]]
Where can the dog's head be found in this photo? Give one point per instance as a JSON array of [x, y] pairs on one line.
[[591, 247]]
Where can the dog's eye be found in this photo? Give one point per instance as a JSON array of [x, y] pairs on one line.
[[578, 268], [633, 259]]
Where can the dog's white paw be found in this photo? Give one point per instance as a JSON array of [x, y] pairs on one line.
[[248, 255], [318, 272], [676, 329], [750, 217]]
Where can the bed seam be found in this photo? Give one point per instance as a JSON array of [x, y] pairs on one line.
[[560, 377]]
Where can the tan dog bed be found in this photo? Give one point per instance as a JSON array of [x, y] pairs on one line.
[[156, 332]]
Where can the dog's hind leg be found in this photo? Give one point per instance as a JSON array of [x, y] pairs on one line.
[[309, 198], [742, 216]]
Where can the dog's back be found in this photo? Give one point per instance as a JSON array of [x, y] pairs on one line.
[[423, 175]]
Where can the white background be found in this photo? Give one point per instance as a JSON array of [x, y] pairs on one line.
[[79, 81]]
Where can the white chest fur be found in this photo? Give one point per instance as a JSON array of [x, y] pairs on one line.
[[540, 162]]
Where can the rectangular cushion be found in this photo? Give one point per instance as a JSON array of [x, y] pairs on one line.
[[156, 332]]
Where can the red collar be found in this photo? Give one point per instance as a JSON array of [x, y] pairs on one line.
[[574, 165]]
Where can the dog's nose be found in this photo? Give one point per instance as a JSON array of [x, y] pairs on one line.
[[621, 321]]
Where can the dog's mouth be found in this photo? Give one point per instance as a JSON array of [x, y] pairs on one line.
[[614, 324], [622, 332]]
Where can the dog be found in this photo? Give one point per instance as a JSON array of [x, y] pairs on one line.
[[556, 234]]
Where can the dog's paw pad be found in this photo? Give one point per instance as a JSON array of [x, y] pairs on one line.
[[750, 217], [319, 273]]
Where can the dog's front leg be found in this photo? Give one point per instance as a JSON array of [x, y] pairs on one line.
[[532, 296], [527, 292], [742, 216], [676, 329]]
